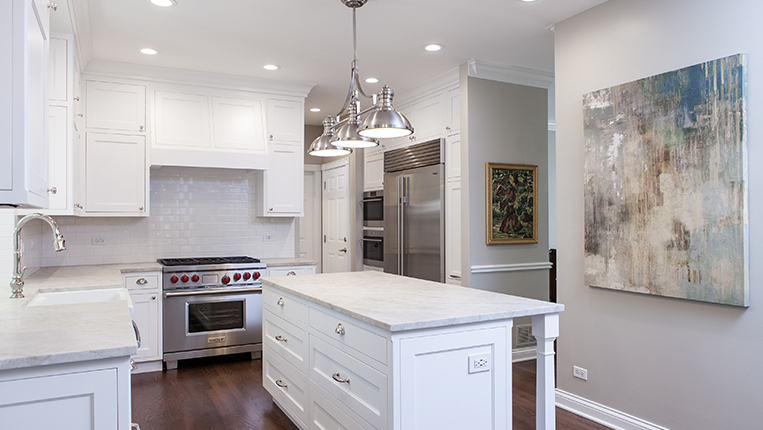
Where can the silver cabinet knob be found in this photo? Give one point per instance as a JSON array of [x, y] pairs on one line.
[[447, 128], [338, 378], [153, 297], [53, 6], [141, 281], [270, 209], [280, 338], [339, 329], [80, 115], [133, 366], [53, 190], [140, 208], [292, 273], [76, 99], [79, 206], [271, 137], [281, 384], [141, 128], [280, 302]]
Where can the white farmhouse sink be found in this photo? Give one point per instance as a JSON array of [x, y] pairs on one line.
[[81, 296]]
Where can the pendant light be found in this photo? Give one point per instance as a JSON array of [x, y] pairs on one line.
[[360, 128], [323, 147]]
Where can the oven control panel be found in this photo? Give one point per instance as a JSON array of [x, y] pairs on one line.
[[178, 280]]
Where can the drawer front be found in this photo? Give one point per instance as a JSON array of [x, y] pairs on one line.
[[286, 340], [326, 415], [361, 388], [142, 282], [349, 334], [284, 305], [286, 385], [291, 271]]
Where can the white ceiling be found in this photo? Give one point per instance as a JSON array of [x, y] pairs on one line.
[[312, 39]]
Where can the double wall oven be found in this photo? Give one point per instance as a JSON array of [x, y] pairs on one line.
[[373, 229], [212, 306]]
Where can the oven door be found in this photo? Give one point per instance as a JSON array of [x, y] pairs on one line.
[[373, 248], [212, 318], [373, 209]]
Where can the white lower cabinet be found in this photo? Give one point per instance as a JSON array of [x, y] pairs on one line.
[[85, 395], [146, 295], [362, 377]]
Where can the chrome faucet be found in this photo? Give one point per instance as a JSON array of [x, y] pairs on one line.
[[17, 282]]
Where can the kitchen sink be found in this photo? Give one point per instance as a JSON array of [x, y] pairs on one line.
[[80, 296]]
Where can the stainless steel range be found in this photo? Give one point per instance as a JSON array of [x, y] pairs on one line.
[[212, 306]]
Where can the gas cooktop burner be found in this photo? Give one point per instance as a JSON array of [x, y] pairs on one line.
[[206, 261]]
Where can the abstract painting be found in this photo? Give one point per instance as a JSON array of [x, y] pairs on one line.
[[666, 184], [512, 196]]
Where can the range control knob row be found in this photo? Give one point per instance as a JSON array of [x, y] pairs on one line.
[[195, 278], [226, 279], [236, 276], [184, 278]]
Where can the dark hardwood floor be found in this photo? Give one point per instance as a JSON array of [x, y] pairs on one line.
[[226, 393]]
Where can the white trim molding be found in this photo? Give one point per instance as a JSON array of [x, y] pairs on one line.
[[519, 267], [510, 74], [523, 354], [603, 415]]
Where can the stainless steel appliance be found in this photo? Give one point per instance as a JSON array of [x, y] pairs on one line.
[[414, 208], [373, 209], [212, 306], [373, 247]]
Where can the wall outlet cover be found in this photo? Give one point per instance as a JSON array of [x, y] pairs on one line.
[[480, 362], [580, 373], [99, 241], [268, 237]]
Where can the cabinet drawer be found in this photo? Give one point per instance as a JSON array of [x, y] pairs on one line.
[[285, 340], [361, 388], [142, 282], [326, 415], [349, 334], [284, 305], [287, 386]]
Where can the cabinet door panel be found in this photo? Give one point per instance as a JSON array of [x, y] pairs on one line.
[[57, 70], [37, 146], [285, 179], [453, 155], [182, 120], [115, 173], [285, 122], [428, 119], [115, 106], [453, 232], [58, 133], [374, 172], [145, 315], [238, 124]]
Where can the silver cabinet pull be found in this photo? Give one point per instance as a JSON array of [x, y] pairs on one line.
[[140, 208], [141, 281], [133, 366], [76, 99], [79, 206], [81, 115], [455, 276], [270, 209], [280, 302], [271, 137], [343, 249], [339, 379], [291, 273], [339, 329], [281, 384], [280, 338], [137, 332], [447, 128], [53, 6], [53, 190]]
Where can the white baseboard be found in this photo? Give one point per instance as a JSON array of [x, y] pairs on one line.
[[148, 366], [601, 414], [523, 354]]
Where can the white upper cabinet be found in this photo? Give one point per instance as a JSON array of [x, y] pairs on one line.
[[59, 164], [429, 119], [452, 110], [58, 82], [281, 187], [23, 103], [204, 127], [115, 106], [285, 121], [373, 171]]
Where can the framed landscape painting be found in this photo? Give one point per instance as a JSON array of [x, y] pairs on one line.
[[666, 184], [512, 203]]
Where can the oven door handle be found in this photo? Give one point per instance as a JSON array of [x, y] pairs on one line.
[[366, 239], [373, 199], [168, 294]]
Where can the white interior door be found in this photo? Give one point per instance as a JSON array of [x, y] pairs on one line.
[[336, 217], [309, 244]]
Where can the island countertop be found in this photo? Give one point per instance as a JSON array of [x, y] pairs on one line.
[[41, 335], [398, 303]]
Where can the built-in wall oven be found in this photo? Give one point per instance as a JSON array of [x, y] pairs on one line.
[[373, 209], [373, 229], [212, 306]]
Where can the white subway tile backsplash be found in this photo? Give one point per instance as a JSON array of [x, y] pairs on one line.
[[194, 212]]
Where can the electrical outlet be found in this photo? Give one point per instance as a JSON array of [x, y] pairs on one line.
[[98, 241], [479, 362], [579, 372], [268, 237]]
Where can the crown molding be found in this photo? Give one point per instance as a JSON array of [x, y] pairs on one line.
[[510, 74], [192, 77]]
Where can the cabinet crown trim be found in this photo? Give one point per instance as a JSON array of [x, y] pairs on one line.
[[510, 74]]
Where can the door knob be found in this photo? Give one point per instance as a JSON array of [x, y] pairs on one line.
[[343, 250]]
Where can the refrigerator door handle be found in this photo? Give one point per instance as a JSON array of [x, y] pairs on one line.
[[400, 197]]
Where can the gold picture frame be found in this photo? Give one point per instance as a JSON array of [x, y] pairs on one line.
[[511, 203]]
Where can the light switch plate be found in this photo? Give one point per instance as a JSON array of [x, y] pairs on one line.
[[480, 362]]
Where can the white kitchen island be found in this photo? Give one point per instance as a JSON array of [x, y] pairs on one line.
[[369, 350]]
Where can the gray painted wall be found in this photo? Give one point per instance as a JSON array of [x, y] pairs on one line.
[[677, 363], [506, 123]]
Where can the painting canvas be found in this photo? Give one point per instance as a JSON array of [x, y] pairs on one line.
[[666, 184], [512, 196]]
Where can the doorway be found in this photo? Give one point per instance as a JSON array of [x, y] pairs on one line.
[[337, 246]]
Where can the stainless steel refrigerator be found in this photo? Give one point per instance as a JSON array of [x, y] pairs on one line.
[[414, 211]]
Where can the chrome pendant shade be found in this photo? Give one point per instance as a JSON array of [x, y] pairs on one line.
[[360, 128]]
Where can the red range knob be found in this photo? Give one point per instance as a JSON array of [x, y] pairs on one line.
[[184, 278], [195, 278], [174, 279], [247, 275], [226, 279], [255, 275], [236, 276]]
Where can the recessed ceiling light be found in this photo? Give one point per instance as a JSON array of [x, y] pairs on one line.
[[270, 67], [315, 109], [149, 51], [372, 80], [433, 47], [164, 3]]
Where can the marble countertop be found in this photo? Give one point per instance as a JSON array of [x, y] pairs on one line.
[[41, 335], [296, 261], [397, 303]]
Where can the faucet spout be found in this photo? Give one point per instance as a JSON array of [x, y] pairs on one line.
[[59, 244]]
